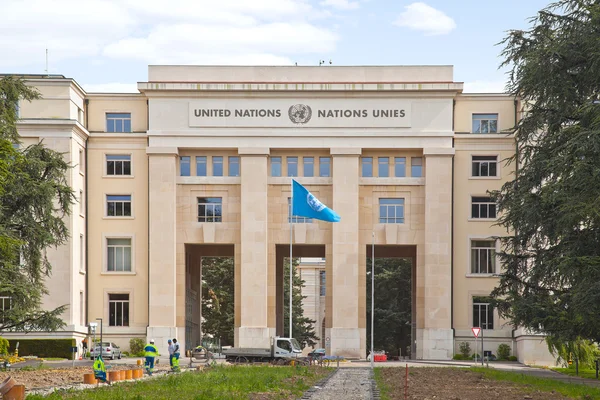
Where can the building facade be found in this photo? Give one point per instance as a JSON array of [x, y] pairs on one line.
[[199, 162]]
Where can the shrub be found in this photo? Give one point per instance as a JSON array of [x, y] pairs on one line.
[[60, 348], [503, 351], [458, 357], [3, 346], [512, 358], [465, 349], [136, 345]]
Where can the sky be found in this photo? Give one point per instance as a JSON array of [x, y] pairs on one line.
[[107, 45]]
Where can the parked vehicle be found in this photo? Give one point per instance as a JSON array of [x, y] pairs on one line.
[[109, 350], [281, 351]]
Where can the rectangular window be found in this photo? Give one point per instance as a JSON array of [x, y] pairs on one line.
[[295, 219], [81, 203], [184, 166], [367, 167], [322, 283], [309, 166], [118, 255], [118, 205], [118, 310], [292, 166], [118, 122], [483, 207], [234, 166], [81, 161], [201, 167], [483, 313], [81, 309], [399, 167], [485, 123], [484, 166], [383, 167], [119, 165], [81, 253], [416, 167], [210, 209], [217, 164], [483, 257], [325, 167], [391, 211], [275, 166]]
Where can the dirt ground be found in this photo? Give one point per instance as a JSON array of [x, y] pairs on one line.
[[50, 377], [456, 384]]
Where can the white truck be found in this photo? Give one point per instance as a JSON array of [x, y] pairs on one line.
[[282, 351]]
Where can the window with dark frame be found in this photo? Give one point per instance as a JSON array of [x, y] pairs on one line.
[[483, 313], [482, 208], [322, 283], [118, 205], [484, 166], [210, 209], [118, 254], [485, 123], [118, 165], [118, 310], [483, 257]]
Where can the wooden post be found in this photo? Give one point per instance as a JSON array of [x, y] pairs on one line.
[[406, 384]]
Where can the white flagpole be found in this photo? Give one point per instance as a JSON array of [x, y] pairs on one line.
[[291, 239], [372, 298]]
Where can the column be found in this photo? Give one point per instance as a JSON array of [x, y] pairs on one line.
[[437, 339], [253, 329], [346, 338], [162, 173]]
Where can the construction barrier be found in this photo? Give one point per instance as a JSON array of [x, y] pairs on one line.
[[139, 362], [129, 374], [114, 376], [138, 373], [89, 379]]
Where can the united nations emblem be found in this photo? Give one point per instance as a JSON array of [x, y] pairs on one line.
[[300, 113], [314, 203]]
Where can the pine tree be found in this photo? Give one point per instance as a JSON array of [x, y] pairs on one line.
[[218, 303], [34, 199], [551, 258]]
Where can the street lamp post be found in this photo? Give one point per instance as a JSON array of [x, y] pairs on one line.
[[100, 319]]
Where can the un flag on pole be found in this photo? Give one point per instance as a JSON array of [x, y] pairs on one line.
[[305, 204]]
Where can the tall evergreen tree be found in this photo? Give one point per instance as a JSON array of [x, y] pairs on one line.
[[34, 199], [218, 302], [393, 312], [551, 209], [303, 327]]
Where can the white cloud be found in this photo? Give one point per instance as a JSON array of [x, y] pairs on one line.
[[114, 87], [421, 17], [185, 31], [484, 87], [341, 4]]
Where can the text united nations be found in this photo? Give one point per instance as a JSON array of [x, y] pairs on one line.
[[274, 113]]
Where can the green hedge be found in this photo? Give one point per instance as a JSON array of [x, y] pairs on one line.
[[43, 347]]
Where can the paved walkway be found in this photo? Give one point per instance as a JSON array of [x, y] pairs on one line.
[[346, 384]]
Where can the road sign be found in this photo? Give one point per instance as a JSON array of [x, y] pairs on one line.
[[476, 331]]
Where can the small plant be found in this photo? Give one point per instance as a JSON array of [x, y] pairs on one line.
[[465, 349], [458, 357], [3, 346], [136, 346], [503, 351], [512, 358]]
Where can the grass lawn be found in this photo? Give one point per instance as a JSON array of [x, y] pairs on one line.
[[583, 373], [572, 390], [228, 382]]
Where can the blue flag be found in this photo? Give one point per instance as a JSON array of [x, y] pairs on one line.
[[305, 204]]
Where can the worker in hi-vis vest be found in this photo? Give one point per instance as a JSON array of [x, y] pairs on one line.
[[150, 352]]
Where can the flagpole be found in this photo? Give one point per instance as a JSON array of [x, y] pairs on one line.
[[372, 298], [291, 239]]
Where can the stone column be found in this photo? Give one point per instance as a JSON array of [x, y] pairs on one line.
[[346, 338], [162, 172], [437, 340], [253, 330]]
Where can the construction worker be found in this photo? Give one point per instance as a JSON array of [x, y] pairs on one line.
[[150, 352], [176, 354], [171, 351]]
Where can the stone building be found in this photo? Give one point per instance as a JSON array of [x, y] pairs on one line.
[[198, 163]]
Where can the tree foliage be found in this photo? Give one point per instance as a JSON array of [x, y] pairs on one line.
[[584, 351], [218, 302], [392, 305], [34, 199], [551, 209], [303, 328]]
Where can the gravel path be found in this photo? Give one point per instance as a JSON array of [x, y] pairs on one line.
[[346, 384]]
